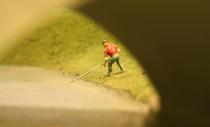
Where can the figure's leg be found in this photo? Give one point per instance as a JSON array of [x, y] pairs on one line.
[[118, 63], [110, 66]]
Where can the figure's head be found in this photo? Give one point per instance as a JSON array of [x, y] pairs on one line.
[[104, 42]]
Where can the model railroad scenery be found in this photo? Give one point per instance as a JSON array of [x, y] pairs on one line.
[[67, 46]]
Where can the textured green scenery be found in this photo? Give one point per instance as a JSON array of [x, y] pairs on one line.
[[71, 43]]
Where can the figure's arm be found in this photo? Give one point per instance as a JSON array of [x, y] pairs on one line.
[[118, 49], [105, 58], [105, 62]]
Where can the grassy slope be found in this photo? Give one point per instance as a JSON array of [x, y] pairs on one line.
[[70, 42]]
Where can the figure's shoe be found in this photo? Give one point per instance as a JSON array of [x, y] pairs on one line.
[[122, 71], [109, 74]]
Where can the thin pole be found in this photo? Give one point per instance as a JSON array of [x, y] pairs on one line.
[[86, 73]]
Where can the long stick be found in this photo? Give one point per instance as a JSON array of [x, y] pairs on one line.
[[86, 73]]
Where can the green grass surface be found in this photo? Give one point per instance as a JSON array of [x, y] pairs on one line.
[[70, 42]]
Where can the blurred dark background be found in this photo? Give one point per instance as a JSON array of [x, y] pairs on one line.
[[171, 39]]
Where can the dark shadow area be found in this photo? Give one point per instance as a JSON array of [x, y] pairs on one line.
[[171, 39]]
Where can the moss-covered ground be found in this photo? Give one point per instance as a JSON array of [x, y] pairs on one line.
[[70, 42]]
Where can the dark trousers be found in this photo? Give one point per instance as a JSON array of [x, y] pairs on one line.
[[114, 58]]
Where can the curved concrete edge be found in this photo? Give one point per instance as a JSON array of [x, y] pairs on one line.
[[46, 117], [34, 97]]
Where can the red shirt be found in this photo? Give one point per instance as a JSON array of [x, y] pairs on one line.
[[110, 50]]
